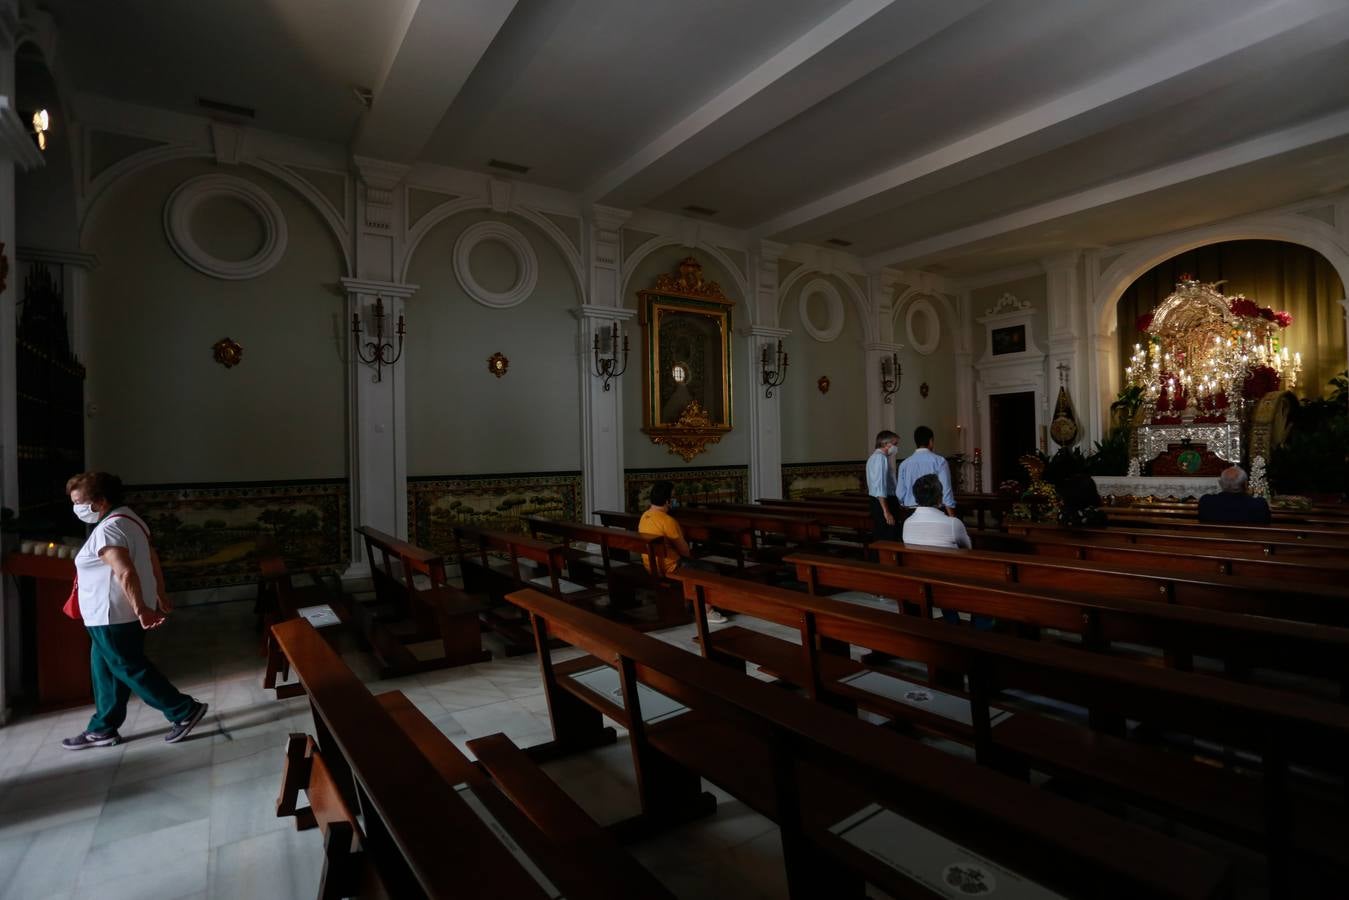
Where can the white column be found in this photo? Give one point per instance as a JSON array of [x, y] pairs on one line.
[[881, 294], [765, 433], [378, 424], [1068, 341], [601, 408], [1345, 305]]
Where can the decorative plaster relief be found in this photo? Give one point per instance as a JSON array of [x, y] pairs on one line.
[[921, 308], [185, 199], [833, 305], [527, 264], [1007, 303]]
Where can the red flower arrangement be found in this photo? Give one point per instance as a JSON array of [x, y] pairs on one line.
[[1249, 309], [1143, 323], [1260, 382]]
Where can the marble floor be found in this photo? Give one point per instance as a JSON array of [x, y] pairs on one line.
[[150, 820]]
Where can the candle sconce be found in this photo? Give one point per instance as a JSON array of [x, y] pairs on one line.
[[608, 367], [773, 375], [379, 352], [891, 375]]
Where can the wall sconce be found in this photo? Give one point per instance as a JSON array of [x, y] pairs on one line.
[[42, 123], [378, 350], [772, 376], [891, 375], [607, 367]]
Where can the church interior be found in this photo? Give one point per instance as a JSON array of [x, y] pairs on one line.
[[595, 448]]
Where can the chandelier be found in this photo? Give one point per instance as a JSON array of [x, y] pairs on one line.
[[1203, 352]]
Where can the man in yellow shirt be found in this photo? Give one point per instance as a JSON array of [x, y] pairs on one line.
[[658, 521]]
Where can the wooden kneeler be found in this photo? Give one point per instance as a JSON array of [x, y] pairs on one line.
[[347, 870]]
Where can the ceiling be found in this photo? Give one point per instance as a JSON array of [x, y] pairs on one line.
[[960, 136]]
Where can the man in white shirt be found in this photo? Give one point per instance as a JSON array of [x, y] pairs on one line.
[[881, 487], [929, 526], [925, 462]]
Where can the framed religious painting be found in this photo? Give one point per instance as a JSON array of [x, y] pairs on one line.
[[686, 326], [1011, 339]]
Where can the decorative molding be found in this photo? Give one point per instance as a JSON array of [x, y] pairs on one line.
[[525, 258], [190, 194], [1008, 303], [76, 258], [380, 178], [606, 313], [833, 303], [228, 143], [499, 194], [923, 306], [379, 288]]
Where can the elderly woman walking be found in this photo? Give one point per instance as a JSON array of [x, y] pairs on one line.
[[119, 586]]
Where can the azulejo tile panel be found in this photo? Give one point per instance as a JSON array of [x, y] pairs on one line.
[[806, 479], [494, 502], [208, 534], [692, 485]]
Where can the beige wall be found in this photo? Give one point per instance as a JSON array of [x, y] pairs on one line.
[[166, 412], [638, 451], [1033, 289], [938, 410], [823, 427], [463, 420]]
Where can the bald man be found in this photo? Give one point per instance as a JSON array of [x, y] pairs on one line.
[[1233, 506]]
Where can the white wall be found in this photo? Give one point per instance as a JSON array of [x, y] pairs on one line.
[[461, 418], [166, 412], [823, 427]]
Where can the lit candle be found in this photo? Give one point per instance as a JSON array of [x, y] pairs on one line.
[[1297, 360], [27, 546], [51, 550], [1285, 354]]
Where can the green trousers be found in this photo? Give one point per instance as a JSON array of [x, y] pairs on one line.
[[118, 665]]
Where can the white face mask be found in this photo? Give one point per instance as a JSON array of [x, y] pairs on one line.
[[85, 513]]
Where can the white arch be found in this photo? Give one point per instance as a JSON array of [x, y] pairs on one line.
[[451, 208], [147, 159], [1288, 227], [660, 241], [864, 312], [947, 312]]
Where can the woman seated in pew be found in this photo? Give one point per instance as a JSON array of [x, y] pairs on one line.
[[930, 526], [658, 521]]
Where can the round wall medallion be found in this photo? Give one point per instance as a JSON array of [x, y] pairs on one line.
[[191, 194], [833, 305], [923, 325], [526, 262]]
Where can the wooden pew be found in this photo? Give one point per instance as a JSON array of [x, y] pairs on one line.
[[707, 534], [1244, 544], [1331, 535], [1189, 512], [1284, 600], [1179, 633], [813, 770], [1103, 548], [490, 563], [404, 613], [621, 569], [424, 834], [1282, 728], [280, 600]]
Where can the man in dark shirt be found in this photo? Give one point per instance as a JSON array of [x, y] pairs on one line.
[[1233, 506]]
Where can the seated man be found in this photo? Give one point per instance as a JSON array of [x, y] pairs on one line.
[[930, 526], [658, 521], [1233, 506]]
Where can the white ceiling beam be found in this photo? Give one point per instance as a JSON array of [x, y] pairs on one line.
[[1226, 40], [858, 38], [1269, 145], [434, 56]]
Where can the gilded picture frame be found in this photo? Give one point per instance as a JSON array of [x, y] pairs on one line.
[[687, 381]]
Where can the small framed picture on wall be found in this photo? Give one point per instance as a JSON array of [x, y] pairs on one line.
[[1009, 340]]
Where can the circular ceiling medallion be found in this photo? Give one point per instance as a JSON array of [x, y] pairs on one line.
[[526, 264], [191, 194], [923, 325], [833, 306]]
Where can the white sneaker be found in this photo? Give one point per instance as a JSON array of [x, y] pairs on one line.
[[715, 617]]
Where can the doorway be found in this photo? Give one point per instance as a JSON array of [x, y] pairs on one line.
[[1011, 420]]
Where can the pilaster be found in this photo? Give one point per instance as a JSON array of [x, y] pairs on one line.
[[602, 410], [1068, 339], [765, 433], [378, 422], [379, 218], [1344, 304], [880, 415]]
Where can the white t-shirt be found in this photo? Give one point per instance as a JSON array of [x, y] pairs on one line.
[[102, 600], [930, 527]]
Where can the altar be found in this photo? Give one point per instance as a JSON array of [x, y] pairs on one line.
[[1159, 488]]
